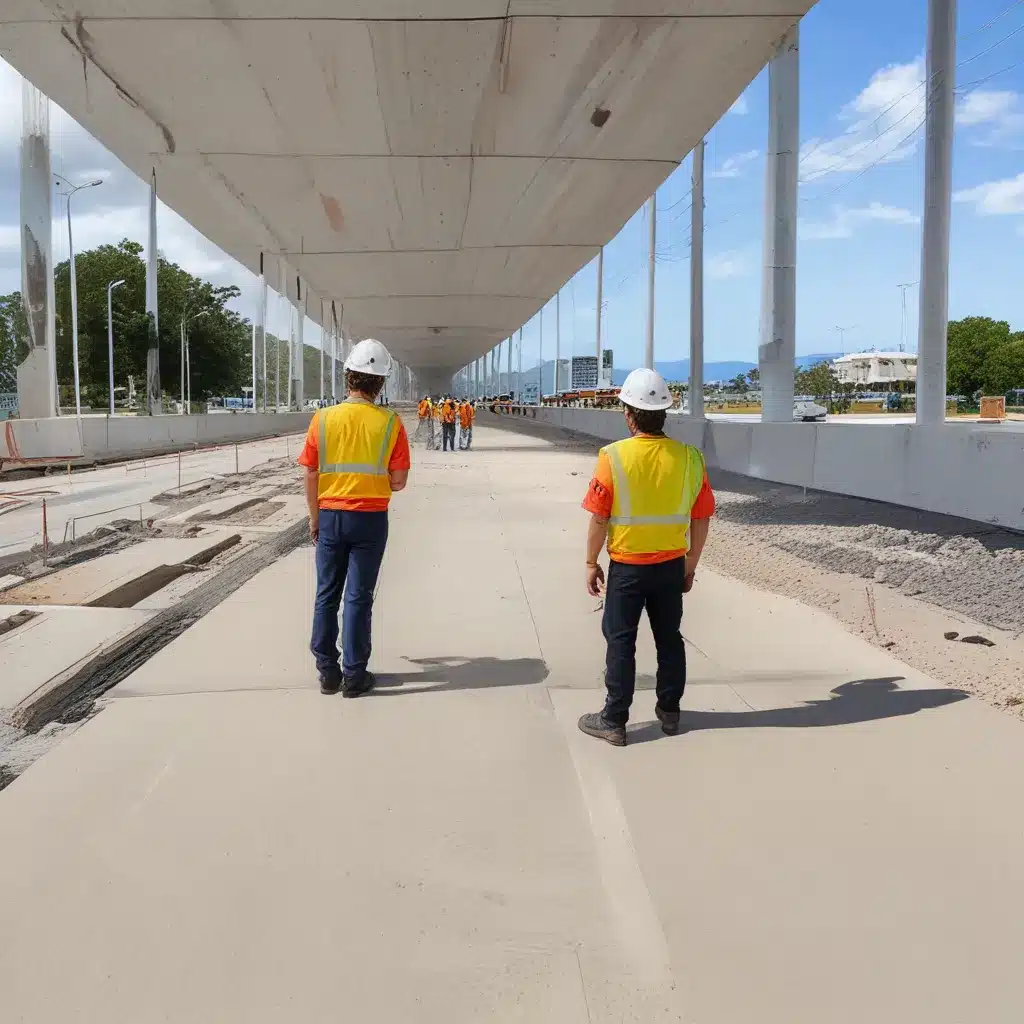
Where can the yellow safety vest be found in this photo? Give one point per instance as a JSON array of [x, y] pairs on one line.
[[655, 481], [356, 442]]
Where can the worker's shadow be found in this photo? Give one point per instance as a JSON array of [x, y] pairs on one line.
[[861, 700], [455, 673]]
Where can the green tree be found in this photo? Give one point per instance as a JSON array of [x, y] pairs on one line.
[[13, 339], [754, 378], [1003, 368], [822, 382], [738, 383], [971, 343]]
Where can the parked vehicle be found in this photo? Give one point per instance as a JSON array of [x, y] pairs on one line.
[[809, 412]]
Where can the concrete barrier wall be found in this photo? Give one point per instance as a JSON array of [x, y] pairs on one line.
[[970, 470], [104, 438]]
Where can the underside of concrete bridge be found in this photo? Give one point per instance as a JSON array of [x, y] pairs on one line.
[[439, 167]]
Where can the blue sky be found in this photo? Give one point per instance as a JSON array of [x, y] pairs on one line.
[[862, 167]]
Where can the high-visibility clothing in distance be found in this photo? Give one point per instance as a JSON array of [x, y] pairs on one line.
[[649, 487], [466, 415], [448, 412], [354, 446], [424, 408]]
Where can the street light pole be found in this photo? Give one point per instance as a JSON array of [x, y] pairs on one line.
[[72, 189], [110, 339], [188, 361]]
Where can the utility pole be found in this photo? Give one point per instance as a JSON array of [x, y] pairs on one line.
[[842, 336], [903, 313]]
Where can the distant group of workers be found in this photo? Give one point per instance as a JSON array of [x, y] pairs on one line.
[[451, 414], [649, 501]]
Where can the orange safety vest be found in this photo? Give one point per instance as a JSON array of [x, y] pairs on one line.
[[424, 409], [356, 439], [655, 481], [466, 416], [448, 413]]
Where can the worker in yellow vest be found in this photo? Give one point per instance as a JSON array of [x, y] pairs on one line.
[[650, 503], [356, 454]]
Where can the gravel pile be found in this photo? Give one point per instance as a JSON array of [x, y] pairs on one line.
[[963, 566]]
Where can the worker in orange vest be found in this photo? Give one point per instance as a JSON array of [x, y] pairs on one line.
[[356, 455], [466, 417], [650, 503], [425, 427], [448, 418]]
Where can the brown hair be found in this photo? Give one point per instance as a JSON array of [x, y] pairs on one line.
[[648, 421], [366, 383]]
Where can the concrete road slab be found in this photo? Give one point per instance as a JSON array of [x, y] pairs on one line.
[[53, 642], [862, 871], [87, 581], [284, 856]]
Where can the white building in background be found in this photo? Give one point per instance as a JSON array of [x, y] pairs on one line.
[[877, 368]]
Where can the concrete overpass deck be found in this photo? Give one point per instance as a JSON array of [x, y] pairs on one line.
[[836, 837]]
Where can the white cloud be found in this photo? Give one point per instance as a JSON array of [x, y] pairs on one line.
[[881, 121], [1001, 111], [845, 220], [733, 166], [740, 107], [995, 198], [723, 265]]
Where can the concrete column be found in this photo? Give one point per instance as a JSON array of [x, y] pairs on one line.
[[777, 351], [323, 378], [697, 285], [261, 332], [153, 403], [298, 370], [940, 78], [519, 374], [508, 364], [558, 335], [652, 241], [334, 352], [37, 378], [600, 299], [540, 359]]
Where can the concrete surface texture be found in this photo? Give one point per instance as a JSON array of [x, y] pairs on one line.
[[102, 495], [836, 837], [959, 469], [442, 167]]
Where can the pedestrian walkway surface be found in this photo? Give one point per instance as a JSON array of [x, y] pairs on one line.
[[835, 838]]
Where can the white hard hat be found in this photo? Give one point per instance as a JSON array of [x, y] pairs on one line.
[[646, 389], [369, 356]]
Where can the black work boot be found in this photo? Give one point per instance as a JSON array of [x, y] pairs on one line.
[[330, 683], [597, 725], [353, 686], [669, 721]]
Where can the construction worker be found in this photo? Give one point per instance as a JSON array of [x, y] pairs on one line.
[[466, 417], [356, 454], [650, 503], [448, 417], [425, 427]]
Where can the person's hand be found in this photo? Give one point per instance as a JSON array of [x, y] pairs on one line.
[[595, 580], [688, 582], [314, 529]]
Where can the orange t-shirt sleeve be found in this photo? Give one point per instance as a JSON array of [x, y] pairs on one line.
[[310, 454], [600, 492], [400, 458], [704, 505]]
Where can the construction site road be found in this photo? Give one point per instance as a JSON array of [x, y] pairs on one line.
[[122, 491], [835, 836]]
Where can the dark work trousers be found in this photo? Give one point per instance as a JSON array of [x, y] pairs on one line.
[[448, 431], [348, 556], [631, 589]]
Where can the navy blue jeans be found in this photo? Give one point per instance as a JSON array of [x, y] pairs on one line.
[[631, 589], [349, 551]]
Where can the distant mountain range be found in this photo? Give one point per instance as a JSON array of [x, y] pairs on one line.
[[677, 370]]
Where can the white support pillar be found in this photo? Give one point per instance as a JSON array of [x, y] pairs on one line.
[[261, 327], [777, 350], [697, 285], [933, 323], [508, 365], [519, 374], [298, 371], [37, 379], [153, 404], [540, 359], [600, 300], [323, 393], [334, 352], [652, 241], [558, 336]]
